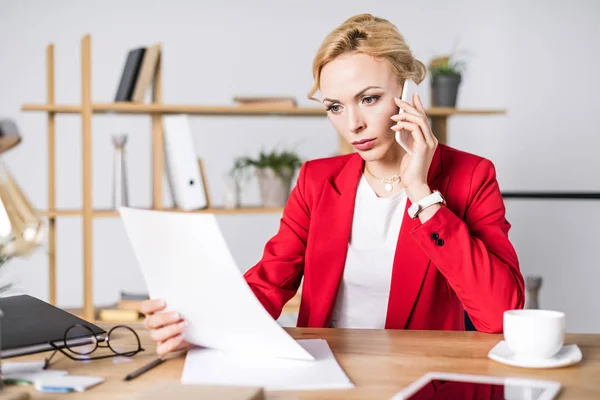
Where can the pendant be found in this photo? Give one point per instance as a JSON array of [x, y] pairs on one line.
[[388, 187]]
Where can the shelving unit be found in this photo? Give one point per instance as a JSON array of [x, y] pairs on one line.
[[213, 210], [87, 109]]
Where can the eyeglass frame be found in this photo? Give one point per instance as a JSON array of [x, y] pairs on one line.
[[85, 357]]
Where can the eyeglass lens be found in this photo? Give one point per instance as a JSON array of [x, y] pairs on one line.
[[81, 340], [122, 340]]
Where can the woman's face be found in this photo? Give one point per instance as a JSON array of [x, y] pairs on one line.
[[358, 91]]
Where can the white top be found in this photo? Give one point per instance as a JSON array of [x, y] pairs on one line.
[[365, 287]]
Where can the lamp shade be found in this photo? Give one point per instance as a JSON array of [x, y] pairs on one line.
[[9, 135]]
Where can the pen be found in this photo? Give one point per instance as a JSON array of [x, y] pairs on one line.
[[143, 369]]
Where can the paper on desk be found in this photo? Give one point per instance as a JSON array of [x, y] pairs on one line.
[[185, 260], [10, 367], [31, 376], [214, 367]]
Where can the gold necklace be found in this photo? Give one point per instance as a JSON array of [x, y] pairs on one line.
[[387, 182]]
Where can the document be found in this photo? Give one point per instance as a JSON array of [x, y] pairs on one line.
[[185, 261], [215, 367]]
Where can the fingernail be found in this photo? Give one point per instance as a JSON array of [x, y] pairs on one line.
[[175, 316], [396, 98], [183, 324], [161, 303]]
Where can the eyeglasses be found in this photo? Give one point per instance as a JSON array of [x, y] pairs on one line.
[[80, 342]]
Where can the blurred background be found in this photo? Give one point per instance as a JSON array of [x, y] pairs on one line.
[[536, 59]]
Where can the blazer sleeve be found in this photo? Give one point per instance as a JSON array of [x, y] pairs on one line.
[[475, 254], [275, 279]]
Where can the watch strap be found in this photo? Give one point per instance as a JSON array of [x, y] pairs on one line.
[[434, 198]]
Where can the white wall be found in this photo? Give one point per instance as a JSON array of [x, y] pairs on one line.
[[535, 58]]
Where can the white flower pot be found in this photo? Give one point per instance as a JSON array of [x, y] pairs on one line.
[[274, 189]]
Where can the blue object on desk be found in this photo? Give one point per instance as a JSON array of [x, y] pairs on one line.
[[67, 383], [53, 389]]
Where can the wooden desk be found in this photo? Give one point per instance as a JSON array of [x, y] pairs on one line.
[[379, 362]]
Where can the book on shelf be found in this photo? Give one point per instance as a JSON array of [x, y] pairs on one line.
[[116, 314], [146, 74], [131, 301], [265, 101], [130, 74], [126, 309], [133, 296]]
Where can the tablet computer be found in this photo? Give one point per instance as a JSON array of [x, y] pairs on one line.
[[29, 325], [445, 385]]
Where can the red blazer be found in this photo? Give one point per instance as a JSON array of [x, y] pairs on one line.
[[460, 259]]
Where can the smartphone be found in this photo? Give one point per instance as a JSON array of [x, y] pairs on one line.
[[404, 137]]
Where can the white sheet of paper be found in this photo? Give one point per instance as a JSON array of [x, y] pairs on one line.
[[32, 376], [10, 367], [185, 261], [214, 367]]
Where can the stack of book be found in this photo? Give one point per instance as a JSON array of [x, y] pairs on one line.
[[138, 73], [127, 309]]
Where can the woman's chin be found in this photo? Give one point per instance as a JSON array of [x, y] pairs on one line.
[[374, 154]]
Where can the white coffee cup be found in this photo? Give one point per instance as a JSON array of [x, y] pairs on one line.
[[534, 334]]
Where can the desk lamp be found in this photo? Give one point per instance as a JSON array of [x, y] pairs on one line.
[[21, 228]]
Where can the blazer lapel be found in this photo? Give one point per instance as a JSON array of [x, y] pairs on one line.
[[410, 262], [336, 214]]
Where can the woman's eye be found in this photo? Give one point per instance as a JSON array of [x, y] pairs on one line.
[[334, 108], [370, 99]]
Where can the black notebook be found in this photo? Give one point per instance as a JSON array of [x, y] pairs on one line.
[[29, 325], [130, 74]]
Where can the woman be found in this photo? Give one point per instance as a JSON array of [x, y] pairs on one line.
[[366, 257]]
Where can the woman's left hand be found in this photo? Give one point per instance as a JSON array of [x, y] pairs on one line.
[[415, 166]]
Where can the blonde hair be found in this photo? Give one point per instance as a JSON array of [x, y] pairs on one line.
[[370, 35]]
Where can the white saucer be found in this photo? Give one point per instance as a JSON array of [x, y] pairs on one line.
[[569, 354]]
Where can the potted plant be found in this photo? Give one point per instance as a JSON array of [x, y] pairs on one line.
[[446, 75], [274, 170]]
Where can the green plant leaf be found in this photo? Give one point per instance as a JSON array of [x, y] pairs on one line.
[[282, 162], [446, 65]]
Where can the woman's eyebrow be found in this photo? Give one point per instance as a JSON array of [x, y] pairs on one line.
[[355, 96]]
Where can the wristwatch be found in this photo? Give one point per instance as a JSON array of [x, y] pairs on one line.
[[434, 198]]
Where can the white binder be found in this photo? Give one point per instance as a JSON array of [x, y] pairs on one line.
[[181, 163]]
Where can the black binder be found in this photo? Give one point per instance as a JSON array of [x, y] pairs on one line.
[[29, 325]]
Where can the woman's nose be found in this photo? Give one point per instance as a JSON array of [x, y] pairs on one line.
[[356, 121]]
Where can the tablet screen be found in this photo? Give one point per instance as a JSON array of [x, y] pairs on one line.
[[444, 385]]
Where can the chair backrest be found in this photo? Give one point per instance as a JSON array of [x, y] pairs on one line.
[[468, 324]]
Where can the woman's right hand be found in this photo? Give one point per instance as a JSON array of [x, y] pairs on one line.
[[166, 328]]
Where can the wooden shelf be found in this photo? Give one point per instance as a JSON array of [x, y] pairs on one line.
[[53, 108], [133, 108], [446, 111], [114, 213]]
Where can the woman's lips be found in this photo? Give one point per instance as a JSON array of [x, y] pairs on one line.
[[364, 144]]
